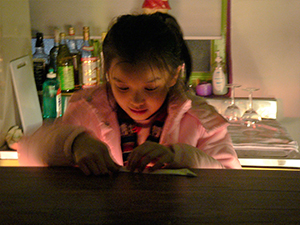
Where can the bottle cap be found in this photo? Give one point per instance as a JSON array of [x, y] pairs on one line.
[[39, 40], [62, 35], [218, 58], [71, 31], [51, 74], [86, 33]]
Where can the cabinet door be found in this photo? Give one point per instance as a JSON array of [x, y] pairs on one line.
[[199, 19], [14, 43]]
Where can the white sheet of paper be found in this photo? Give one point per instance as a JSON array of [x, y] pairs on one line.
[[180, 172]]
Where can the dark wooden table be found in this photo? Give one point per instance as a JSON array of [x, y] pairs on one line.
[[66, 196]]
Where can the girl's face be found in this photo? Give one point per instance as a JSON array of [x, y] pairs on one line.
[[139, 91]]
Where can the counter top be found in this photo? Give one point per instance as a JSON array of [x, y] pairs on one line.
[[266, 145], [64, 195]]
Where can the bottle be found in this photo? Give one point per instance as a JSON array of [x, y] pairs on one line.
[[54, 51], [40, 62], [65, 67], [219, 79], [97, 53], [51, 96], [88, 61], [76, 56]]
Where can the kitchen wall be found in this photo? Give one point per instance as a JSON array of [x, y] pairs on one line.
[[265, 37]]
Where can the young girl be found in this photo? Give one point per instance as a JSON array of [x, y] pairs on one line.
[[142, 116]]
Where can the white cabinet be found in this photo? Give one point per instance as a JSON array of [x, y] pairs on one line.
[[199, 19], [14, 43]]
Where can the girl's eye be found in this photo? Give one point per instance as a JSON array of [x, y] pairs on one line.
[[151, 89], [123, 88]]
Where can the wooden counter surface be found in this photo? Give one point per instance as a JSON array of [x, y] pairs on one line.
[[64, 195]]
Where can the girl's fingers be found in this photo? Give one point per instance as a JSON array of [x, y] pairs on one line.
[[84, 168], [149, 152], [135, 156], [110, 164], [165, 159], [150, 157], [95, 166]]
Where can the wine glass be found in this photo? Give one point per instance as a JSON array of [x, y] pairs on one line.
[[250, 116], [233, 112]]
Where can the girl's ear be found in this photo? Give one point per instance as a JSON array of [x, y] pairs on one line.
[[175, 77]]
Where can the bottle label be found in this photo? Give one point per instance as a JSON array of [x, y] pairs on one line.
[[66, 76], [89, 71], [88, 48], [219, 82], [72, 45], [52, 91], [39, 69], [58, 103]]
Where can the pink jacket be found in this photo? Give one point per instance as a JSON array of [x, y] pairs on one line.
[[196, 132]]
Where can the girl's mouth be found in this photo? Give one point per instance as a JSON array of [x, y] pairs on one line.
[[138, 111]]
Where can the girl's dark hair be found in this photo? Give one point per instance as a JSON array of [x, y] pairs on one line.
[[155, 39]]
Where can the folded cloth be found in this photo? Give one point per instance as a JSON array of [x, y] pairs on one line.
[[178, 172]]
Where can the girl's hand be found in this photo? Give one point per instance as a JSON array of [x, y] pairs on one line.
[[148, 152], [92, 156]]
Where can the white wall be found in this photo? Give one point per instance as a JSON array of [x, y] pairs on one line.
[[265, 37]]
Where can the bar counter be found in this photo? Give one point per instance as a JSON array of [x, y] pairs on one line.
[[64, 195]]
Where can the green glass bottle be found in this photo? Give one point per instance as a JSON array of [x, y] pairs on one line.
[[65, 67], [88, 61], [72, 44], [51, 96]]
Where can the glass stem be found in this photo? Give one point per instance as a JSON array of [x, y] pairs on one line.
[[232, 96], [251, 100]]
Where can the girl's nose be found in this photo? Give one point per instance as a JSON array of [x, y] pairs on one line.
[[138, 98]]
